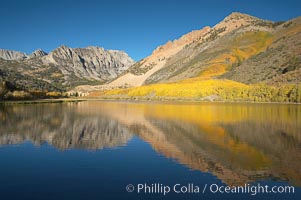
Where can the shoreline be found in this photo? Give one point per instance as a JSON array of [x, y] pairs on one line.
[[178, 101]]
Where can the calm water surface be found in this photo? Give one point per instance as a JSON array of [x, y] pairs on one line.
[[93, 150]]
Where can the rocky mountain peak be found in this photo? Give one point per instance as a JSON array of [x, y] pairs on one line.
[[234, 21], [63, 47], [38, 53], [239, 16], [63, 52]]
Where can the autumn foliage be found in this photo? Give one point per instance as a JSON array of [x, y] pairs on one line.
[[212, 90]]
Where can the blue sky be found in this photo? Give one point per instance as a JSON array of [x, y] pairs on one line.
[[135, 26]]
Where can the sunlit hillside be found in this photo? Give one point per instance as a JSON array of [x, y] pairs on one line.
[[242, 58]]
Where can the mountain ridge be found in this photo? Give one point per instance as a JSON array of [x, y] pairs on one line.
[[61, 69]]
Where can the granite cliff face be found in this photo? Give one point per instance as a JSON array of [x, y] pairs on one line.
[[63, 68], [90, 63]]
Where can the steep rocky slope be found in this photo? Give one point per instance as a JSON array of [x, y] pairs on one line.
[[242, 48], [279, 63], [142, 70], [11, 55]]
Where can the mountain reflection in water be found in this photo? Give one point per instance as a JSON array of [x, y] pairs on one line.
[[237, 143]]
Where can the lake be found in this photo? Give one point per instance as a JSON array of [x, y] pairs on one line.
[[126, 150]]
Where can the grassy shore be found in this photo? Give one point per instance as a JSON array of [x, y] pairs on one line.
[[134, 99]]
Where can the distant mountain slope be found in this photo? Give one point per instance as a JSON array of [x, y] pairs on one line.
[[62, 68], [92, 63]]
